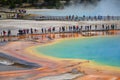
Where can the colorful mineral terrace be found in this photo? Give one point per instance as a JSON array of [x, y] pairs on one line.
[[61, 44]]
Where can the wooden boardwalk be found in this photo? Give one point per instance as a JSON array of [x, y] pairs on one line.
[[55, 35]]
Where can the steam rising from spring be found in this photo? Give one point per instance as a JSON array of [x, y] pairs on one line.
[[87, 8], [93, 7]]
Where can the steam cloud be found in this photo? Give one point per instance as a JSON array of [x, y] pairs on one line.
[[93, 7], [88, 8]]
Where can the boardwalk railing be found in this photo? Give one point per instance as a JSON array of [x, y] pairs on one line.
[[54, 35], [76, 18], [62, 18]]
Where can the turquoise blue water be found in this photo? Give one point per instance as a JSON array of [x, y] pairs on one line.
[[103, 50]]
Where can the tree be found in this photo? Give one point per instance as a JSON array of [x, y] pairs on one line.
[[4, 2], [48, 3], [11, 4], [54, 3], [67, 1]]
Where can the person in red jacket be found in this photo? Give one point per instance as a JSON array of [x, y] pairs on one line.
[[4, 32]]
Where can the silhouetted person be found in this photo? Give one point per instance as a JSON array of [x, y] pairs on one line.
[[49, 30], [4, 33], [59, 29], [27, 31], [74, 28], [103, 27], [53, 29], [1, 34], [95, 27], [31, 31], [45, 30], [69, 17], [63, 29], [90, 27], [77, 28], [35, 30], [20, 32], [9, 33], [42, 30]]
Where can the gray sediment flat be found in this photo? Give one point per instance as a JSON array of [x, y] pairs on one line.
[[10, 68], [14, 63], [66, 76]]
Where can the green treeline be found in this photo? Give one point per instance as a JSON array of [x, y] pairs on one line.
[[33, 3]]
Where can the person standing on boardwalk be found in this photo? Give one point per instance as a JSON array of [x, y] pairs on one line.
[[42, 30], [45, 30], [69, 17], [27, 31], [103, 27], [59, 29], [49, 29], [95, 27], [31, 31], [90, 27], [9, 33], [63, 29], [69, 28], [4, 33], [35, 30], [53, 29], [1, 34]]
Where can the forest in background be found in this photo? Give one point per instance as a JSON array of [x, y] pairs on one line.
[[32, 3]]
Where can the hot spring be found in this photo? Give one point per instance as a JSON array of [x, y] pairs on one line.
[[103, 50]]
